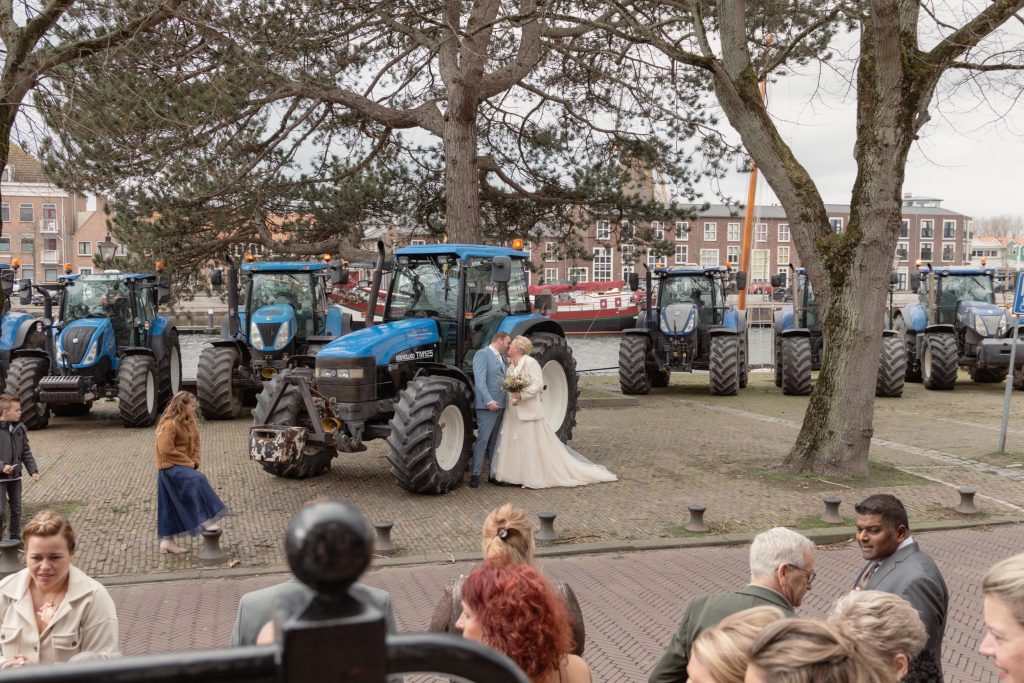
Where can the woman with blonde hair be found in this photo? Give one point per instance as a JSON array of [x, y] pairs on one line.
[[720, 654], [185, 500], [506, 538], [1003, 588], [810, 651], [884, 623], [529, 451]]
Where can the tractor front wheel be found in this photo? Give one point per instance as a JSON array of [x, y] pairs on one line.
[[892, 368], [560, 396], [939, 362], [633, 377], [988, 375], [431, 437], [219, 398], [796, 366], [290, 411], [170, 369], [724, 365], [137, 395], [23, 381], [778, 362]]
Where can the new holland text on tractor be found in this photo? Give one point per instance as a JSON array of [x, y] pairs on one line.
[[409, 379]]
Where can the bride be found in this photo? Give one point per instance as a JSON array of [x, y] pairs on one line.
[[529, 452]]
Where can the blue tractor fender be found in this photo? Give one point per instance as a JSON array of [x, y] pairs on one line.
[[440, 369], [160, 331], [637, 331], [338, 322], [516, 325], [15, 329], [915, 318], [784, 319], [733, 320], [383, 341]]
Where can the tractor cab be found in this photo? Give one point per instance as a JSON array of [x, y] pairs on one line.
[[285, 305], [956, 292]]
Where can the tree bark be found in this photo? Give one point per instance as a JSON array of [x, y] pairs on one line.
[[461, 181]]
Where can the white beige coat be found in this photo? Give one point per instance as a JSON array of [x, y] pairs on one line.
[[86, 621], [529, 406]]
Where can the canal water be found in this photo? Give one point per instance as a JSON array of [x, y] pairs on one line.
[[595, 354]]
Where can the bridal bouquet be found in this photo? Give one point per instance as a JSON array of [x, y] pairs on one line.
[[515, 382]]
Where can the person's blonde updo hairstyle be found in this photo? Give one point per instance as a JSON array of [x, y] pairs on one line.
[[725, 648], [507, 536], [812, 651], [881, 621], [47, 523], [523, 344], [1005, 582]]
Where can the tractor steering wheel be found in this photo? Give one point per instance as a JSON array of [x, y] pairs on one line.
[[426, 313]]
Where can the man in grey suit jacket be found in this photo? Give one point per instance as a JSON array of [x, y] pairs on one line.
[[489, 400], [781, 573], [897, 565]]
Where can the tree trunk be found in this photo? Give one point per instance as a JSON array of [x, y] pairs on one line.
[[461, 182]]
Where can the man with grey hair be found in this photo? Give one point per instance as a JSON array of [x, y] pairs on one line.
[[781, 572]]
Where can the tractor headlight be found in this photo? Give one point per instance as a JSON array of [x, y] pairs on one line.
[[340, 373], [282, 336], [254, 333], [1003, 325], [691, 322], [94, 349], [979, 325]]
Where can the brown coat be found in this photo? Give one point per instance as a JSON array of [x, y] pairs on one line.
[[177, 444]]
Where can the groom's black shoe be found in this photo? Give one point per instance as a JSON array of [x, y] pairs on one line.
[[474, 481], [496, 482]]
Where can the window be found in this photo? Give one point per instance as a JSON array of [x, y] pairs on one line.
[[783, 256], [550, 274], [28, 244], [901, 276], [682, 231], [603, 264], [904, 228], [120, 251], [927, 228], [25, 213], [416, 242], [837, 225], [760, 232], [85, 248], [626, 232], [708, 257], [50, 274], [759, 259], [948, 230], [783, 232], [656, 260], [550, 252], [926, 251], [732, 254], [949, 251], [903, 251], [5, 243], [577, 274], [682, 253], [628, 260], [5, 212], [711, 234], [7, 174], [658, 228], [604, 230], [50, 212], [732, 232], [85, 271]]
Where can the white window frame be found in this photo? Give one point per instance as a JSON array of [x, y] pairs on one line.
[[85, 271], [603, 230], [685, 254], [832, 220], [784, 235], [551, 252], [931, 224], [732, 232], [550, 274], [952, 247], [760, 232], [658, 228], [6, 239], [604, 261], [903, 277], [414, 243], [5, 209], [905, 223], [779, 259], [709, 258], [577, 269], [732, 254], [31, 213], [682, 231], [760, 265], [946, 224], [656, 260], [711, 232], [88, 249], [920, 251], [905, 256]]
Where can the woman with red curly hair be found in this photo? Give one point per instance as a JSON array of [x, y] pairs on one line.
[[513, 609]]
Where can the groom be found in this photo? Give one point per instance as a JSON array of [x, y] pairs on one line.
[[489, 400]]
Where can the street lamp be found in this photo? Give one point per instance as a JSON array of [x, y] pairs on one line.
[[107, 248]]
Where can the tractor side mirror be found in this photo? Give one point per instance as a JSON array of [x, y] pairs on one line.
[[915, 282], [634, 281], [894, 278], [7, 282], [217, 277], [339, 275], [501, 269], [163, 289], [741, 280], [25, 291], [778, 280]]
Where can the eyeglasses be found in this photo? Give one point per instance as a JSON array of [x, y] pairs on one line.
[[810, 575]]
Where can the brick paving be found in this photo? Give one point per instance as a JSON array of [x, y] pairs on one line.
[[632, 603]]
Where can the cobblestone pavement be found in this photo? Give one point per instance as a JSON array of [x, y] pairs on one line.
[[677, 446], [632, 603]]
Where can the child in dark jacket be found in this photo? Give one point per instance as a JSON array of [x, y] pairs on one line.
[[14, 452]]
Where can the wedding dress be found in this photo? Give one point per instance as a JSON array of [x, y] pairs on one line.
[[529, 452]]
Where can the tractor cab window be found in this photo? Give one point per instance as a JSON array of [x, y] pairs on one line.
[[518, 289], [320, 301], [695, 289], [105, 298], [957, 288], [806, 300], [282, 289], [424, 288]]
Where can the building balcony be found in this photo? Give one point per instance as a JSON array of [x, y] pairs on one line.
[[48, 225], [50, 256]]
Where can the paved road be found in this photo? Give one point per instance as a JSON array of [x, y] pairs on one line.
[[631, 603]]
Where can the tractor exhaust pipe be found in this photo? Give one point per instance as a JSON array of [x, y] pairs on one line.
[[378, 272], [232, 287]]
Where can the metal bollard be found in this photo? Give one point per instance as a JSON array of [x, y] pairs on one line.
[[9, 562], [832, 515], [696, 522], [384, 545], [209, 318], [211, 552], [967, 506], [547, 527]]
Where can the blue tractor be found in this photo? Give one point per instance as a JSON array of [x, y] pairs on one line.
[[956, 323], [799, 343], [687, 325], [286, 319], [409, 379], [108, 341], [18, 330]]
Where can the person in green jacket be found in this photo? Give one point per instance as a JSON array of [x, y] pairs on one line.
[[781, 573]]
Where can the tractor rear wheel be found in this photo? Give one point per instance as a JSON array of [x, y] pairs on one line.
[[561, 393], [23, 381], [988, 375], [71, 409], [170, 369], [892, 368], [431, 437], [910, 349], [633, 378], [1018, 378], [137, 395], [939, 362], [724, 365], [778, 362], [290, 411], [796, 365], [744, 368], [219, 398]]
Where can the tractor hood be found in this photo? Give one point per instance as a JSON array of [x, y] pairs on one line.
[[83, 342], [382, 341], [987, 319], [272, 328], [679, 320]]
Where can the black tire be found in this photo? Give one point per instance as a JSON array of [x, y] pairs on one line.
[[138, 396], [170, 370], [561, 393], [23, 381], [1018, 378], [291, 411], [778, 362], [939, 362], [431, 438], [219, 398], [910, 346], [988, 375], [660, 378], [892, 368], [744, 360], [724, 365], [633, 378], [796, 366], [71, 409]]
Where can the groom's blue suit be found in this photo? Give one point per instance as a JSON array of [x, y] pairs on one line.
[[488, 375]]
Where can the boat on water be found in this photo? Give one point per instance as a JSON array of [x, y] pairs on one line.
[[587, 307]]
